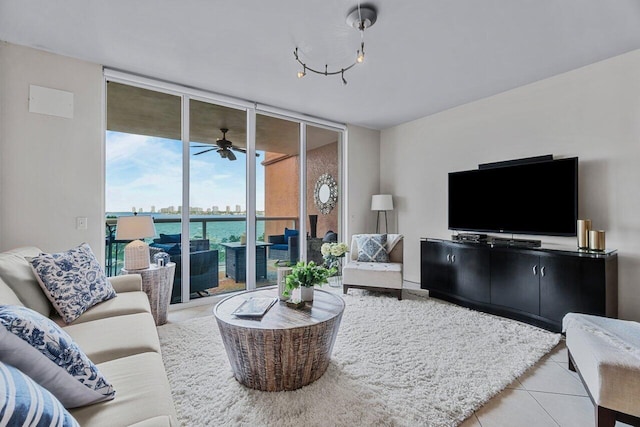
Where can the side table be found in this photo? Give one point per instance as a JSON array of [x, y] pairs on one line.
[[157, 283]]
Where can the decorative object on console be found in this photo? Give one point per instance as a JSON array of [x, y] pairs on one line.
[[382, 202], [359, 18], [325, 193], [136, 253], [596, 240], [73, 280], [313, 225], [584, 225], [41, 349], [25, 402]]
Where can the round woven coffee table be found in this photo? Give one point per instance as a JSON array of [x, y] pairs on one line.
[[285, 349]]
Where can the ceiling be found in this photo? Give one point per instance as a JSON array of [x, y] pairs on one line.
[[423, 56]]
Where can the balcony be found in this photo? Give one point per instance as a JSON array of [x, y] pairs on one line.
[[217, 234]]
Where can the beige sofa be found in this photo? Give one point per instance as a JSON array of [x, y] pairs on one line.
[[118, 335], [375, 276]]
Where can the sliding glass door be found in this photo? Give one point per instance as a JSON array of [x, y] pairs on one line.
[[235, 192]]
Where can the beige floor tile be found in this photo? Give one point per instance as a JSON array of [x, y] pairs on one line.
[[516, 384], [472, 421], [513, 408], [559, 353], [566, 410], [549, 376]]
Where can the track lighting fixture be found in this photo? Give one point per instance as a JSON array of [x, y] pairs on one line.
[[359, 18]]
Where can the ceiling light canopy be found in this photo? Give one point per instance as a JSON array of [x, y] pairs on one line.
[[360, 18]]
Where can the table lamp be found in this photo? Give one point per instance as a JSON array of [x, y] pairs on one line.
[[136, 253], [382, 202]]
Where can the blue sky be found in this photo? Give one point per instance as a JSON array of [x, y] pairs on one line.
[[145, 171]]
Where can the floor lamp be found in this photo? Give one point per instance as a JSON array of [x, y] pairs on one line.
[[382, 202]]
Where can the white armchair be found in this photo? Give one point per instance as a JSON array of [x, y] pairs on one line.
[[375, 276]]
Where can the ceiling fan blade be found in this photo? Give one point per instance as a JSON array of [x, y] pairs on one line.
[[205, 151], [230, 155], [200, 146], [242, 150]]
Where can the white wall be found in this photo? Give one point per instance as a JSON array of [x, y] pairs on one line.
[[363, 178], [592, 113], [50, 167]]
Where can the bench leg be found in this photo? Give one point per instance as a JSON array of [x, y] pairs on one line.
[[605, 417], [572, 367]]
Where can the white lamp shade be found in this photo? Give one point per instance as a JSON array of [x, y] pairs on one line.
[[381, 202], [135, 227]]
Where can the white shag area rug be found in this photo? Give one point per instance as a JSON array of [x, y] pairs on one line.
[[418, 361]]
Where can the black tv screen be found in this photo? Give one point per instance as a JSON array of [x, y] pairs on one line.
[[533, 198]]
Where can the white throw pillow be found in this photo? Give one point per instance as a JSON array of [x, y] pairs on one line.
[[41, 349], [23, 402], [73, 280]]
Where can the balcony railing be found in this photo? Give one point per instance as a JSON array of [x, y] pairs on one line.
[[201, 227]]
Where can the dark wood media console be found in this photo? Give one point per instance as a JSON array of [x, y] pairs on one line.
[[534, 285]]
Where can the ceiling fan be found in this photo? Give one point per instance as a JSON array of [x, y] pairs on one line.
[[224, 147]]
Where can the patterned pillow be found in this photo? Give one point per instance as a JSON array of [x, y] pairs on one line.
[[25, 403], [41, 349], [372, 248], [73, 281]]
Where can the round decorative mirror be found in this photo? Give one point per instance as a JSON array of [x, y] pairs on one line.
[[325, 194]]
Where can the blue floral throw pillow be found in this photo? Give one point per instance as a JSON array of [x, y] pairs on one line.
[[41, 349], [25, 403], [73, 281], [372, 248]]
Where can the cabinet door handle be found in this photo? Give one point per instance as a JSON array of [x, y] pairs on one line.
[[448, 257], [535, 270], [542, 271], [453, 258]]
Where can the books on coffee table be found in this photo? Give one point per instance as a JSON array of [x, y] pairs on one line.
[[254, 307]]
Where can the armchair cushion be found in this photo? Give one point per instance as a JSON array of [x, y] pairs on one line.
[[372, 248], [277, 239]]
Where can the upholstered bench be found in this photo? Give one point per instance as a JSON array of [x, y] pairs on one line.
[[606, 354]]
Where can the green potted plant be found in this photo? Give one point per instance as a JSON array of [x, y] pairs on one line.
[[305, 275]]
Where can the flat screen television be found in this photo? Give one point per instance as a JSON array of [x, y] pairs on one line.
[[538, 198]]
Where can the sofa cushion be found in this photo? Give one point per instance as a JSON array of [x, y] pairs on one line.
[[170, 238], [170, 248], [73, 280], [120, 336], [372, 248], [16, 272], [41, 349], [7, 296], [279, 247], [126, 303], [289, 233], [26, 403], [143, 393]]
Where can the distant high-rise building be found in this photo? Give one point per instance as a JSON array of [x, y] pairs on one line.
[[133, 209], [238, 208], [153, 209], [228, 209], [215, 210], [139, 210]]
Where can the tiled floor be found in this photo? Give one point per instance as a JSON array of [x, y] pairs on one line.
[[548, 394]]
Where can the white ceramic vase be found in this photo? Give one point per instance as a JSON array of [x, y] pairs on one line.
[[306, 293]]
